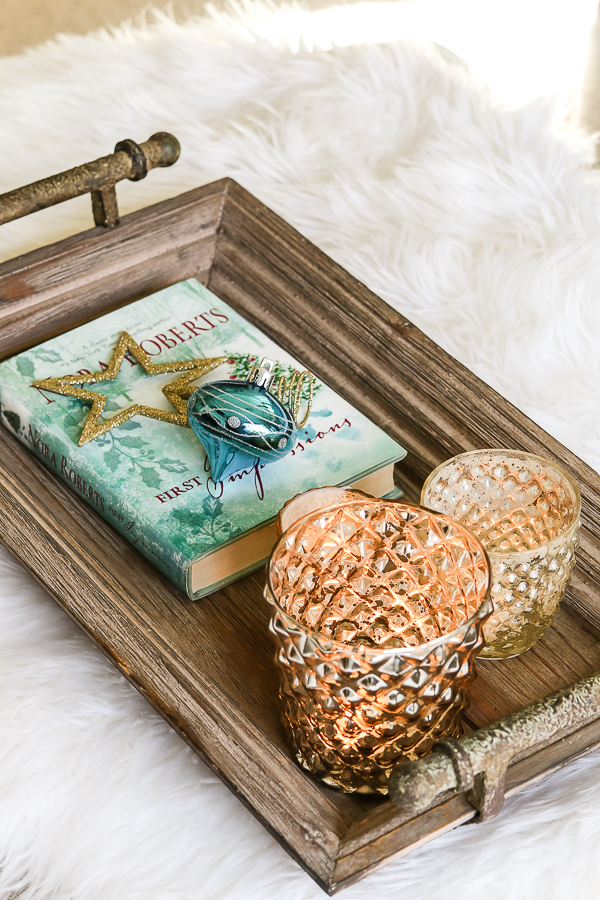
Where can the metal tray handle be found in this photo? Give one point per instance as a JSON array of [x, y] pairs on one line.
[[130, 160], [477, 764]]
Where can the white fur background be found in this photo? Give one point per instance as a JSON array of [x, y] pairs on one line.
[[481, 225]]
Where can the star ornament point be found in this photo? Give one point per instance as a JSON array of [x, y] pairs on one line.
[[177, 391]]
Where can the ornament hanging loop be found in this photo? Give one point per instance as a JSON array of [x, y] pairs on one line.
[[290, 391], [296, 391]]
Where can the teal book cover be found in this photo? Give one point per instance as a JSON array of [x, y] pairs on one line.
[[150, 479]]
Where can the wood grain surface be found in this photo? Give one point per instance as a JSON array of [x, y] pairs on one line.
[[208, 667]]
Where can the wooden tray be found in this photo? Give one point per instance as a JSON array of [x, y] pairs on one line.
[[207, 667]]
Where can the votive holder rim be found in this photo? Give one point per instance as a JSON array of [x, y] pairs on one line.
[[560, 538], [366, 650]]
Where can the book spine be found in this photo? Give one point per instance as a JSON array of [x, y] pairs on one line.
[[64, 461]]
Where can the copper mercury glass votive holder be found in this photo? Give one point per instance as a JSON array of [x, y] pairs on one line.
[[525, 511], [377, 611]]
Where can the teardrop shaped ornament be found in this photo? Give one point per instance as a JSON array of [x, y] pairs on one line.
[[240, 424]]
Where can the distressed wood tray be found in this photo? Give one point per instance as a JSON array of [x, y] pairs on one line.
[[207, 667]]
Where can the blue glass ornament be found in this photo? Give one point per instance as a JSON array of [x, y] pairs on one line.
[[240, 423]]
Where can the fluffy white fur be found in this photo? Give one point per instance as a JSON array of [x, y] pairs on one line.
[[482, 226]]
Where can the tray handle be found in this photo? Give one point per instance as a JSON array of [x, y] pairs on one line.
[[477, 764], [98, 178]]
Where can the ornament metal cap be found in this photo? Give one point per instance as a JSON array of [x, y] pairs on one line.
[[263, 375]]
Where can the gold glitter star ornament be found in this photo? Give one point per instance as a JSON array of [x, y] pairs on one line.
[[177, 391]]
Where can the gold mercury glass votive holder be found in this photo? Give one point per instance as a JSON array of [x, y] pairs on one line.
[[377, 612], [525, 511]]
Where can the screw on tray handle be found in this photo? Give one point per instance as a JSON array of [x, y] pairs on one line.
[[129, 161], [477, 764]]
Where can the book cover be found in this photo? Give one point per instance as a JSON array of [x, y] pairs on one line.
[[150, 479]]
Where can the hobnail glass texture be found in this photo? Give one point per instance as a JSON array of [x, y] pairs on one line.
[[378, 610], [525, 511]]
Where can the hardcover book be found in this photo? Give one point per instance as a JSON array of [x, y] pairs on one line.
[[151, 479]]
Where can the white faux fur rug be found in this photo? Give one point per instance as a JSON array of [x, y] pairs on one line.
[[482, 227]]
